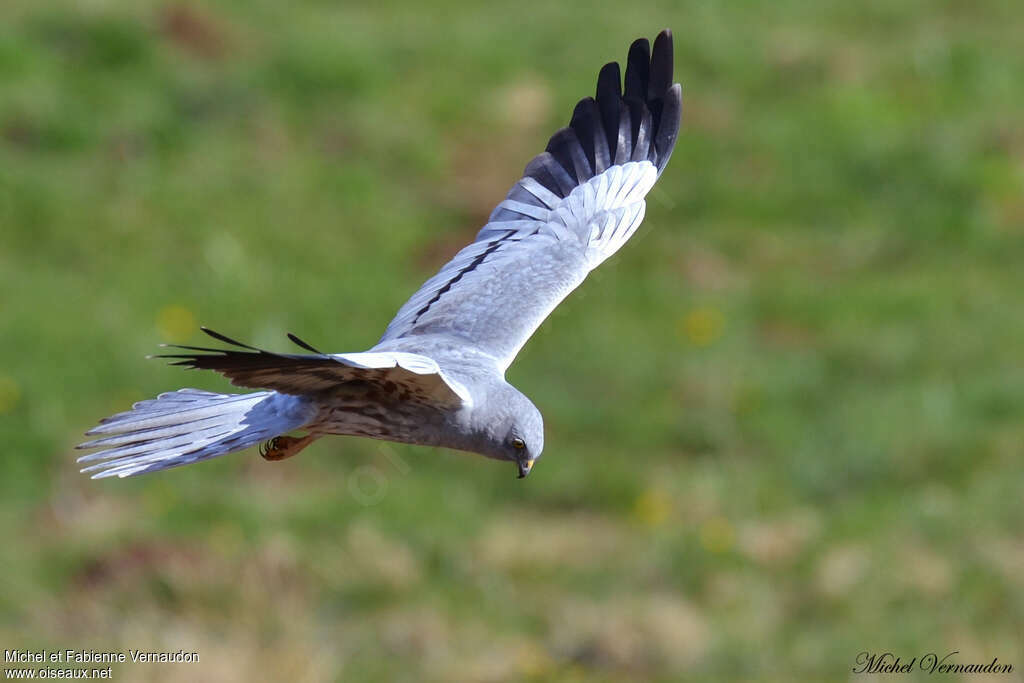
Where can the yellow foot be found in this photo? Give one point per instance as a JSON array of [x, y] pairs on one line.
[[282, 447]]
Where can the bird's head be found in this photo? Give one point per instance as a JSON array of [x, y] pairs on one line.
[[510, 428]]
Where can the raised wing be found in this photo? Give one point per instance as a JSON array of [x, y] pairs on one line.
[[417, 377], [576, 205]]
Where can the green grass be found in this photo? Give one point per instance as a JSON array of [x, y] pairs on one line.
[[784, 424]]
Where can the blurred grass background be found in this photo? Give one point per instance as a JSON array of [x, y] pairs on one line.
[[784, 425]]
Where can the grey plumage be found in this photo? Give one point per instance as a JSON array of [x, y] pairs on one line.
[[188, 425], [437, 375]]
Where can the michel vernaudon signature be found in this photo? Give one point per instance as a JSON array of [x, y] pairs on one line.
[[932, 663]]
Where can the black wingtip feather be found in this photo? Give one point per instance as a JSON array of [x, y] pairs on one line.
[[637, 118], [585, 121], [301, 344], [637, 115], [668, 126], [228, 340], [561, 146], [204, 349], [661, 67], [638, 67], [608, 94]]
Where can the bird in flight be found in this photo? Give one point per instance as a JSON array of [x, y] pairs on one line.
[[437, 376]]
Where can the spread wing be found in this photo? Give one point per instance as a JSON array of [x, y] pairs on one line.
[[415, 377], [576, 205]]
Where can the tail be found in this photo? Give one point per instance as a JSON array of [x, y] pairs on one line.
[[188, 425]]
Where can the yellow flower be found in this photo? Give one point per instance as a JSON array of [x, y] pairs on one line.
[[653, 507], [702, 326]]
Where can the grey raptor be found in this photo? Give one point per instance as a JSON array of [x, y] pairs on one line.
[[437, 376]]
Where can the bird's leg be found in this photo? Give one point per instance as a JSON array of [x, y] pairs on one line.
[[282, 447]]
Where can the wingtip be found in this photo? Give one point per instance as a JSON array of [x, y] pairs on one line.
[[663, 46], [304, 345], [640, 44]]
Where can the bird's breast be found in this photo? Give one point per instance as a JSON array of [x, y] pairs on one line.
[[380, 417]]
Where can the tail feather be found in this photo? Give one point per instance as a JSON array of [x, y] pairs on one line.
[[135, 436], [174, 407], [189, 425]]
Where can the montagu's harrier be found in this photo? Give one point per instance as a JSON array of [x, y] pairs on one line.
[[437, 376]]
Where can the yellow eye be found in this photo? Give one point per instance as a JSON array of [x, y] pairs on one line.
[[518, 444]]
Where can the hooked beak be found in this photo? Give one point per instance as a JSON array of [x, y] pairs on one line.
[[524, 467]]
